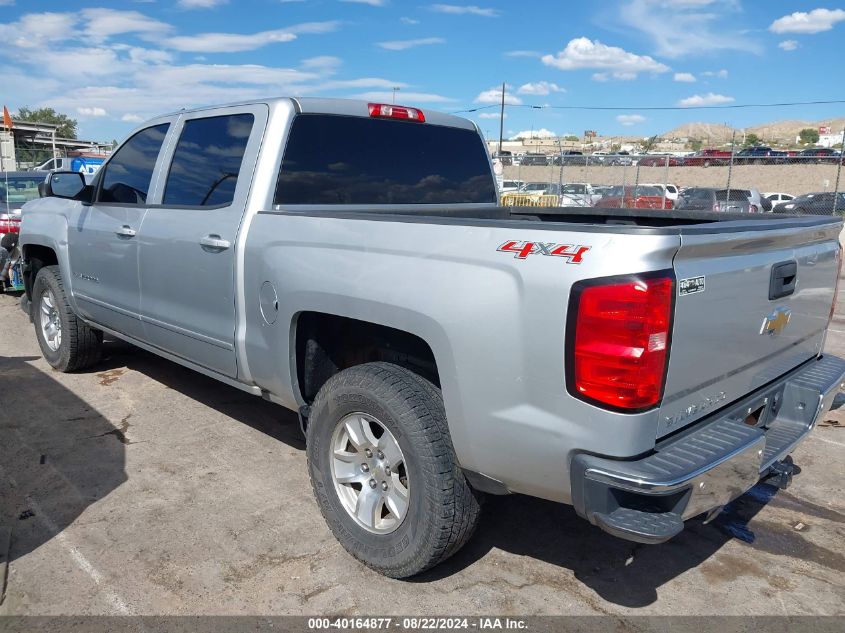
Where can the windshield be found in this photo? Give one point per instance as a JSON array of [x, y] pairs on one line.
[[574, 189], [535, 186], [17, 190]]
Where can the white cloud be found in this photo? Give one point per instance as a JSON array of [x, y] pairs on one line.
[[238, 42], [491, 115], [540, 88], [523, 54], [227, 42], [705, 100], [407, 98], [788, 45], [685, 77], [541, 133], [679, 28], [372, 3], [630, 119], [455, 9], [584, 53], [100, 24], [816, 21], [721, 74], [401, 45], [494, 95], [86, 111], [200, 4], [322, 62], [608, 76], [408, 21], [131, 118]]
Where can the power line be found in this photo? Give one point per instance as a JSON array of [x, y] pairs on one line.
[[732, 106]]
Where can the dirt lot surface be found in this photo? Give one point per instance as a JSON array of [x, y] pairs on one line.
[[140, 487], [792, 179]]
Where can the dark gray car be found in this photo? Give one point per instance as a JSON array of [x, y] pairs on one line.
[[717, 200]]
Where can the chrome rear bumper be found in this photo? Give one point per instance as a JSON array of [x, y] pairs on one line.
[[708, 465]]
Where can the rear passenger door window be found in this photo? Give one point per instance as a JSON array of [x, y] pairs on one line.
[[207, 161], [129, 172]]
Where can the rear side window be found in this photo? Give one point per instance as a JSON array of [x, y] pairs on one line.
[[128, 174], [334, 159], [207, 161]]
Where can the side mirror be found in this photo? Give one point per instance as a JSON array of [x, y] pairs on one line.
[[66, 184]]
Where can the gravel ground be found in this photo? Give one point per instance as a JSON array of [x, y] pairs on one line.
[[140, 487]]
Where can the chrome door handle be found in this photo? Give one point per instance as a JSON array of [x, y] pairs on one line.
[[214, 242], [125, 231]]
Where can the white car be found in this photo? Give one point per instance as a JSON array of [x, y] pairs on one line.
[[670, 190], [777, 198], [582, 191], [511, 186]]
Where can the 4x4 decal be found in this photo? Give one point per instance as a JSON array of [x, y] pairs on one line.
[[573, 253]]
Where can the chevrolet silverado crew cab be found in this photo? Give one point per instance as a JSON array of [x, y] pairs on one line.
[[350, 261]]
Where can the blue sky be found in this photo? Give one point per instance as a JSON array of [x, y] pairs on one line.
[[114, 64]]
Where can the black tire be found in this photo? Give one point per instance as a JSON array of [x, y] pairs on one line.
[[443, 510], [80, 345]]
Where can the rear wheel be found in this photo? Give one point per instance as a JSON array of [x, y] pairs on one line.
[[66, 342], [384, 472]]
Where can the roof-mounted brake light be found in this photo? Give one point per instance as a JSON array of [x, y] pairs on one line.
[[386, 111]]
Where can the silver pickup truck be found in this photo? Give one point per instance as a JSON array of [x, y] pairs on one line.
[[350, 262]]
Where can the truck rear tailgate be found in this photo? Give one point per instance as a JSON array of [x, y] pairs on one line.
[[750, 306]]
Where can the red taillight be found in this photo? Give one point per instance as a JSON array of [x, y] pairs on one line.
[[620, 344], [11, 225], [387, 111]]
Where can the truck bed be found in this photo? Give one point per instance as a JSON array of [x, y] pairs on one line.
[[652, 221]]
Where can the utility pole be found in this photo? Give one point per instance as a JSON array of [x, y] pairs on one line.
[[395, 88], [502, 119]]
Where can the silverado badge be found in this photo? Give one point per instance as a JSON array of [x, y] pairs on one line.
[[776, 322]]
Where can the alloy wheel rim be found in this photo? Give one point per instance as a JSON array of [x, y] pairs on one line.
[[369, 473], [51, 323]]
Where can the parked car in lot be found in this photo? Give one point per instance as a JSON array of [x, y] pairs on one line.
[[505, 157], [602, 374], [759, 154], [618, 159], [707, 157], [759, 204], [777, 198], [635, 197], [660, 160], [582, 191], [569, 157], [818, 155], [711, 199], [822, 203], [541, 188], [511, 186], [534, 160], [16, 189], [669, 190]]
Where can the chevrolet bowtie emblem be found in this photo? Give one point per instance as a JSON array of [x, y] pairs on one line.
[[776, 322]]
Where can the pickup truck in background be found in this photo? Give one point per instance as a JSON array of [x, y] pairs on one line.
[[644, 366], [759, 154], [707, 157]]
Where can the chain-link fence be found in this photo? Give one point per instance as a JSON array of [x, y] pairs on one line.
[[802, 184]]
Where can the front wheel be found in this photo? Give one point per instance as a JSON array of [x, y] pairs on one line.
[[384, 472], [66, 342]]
